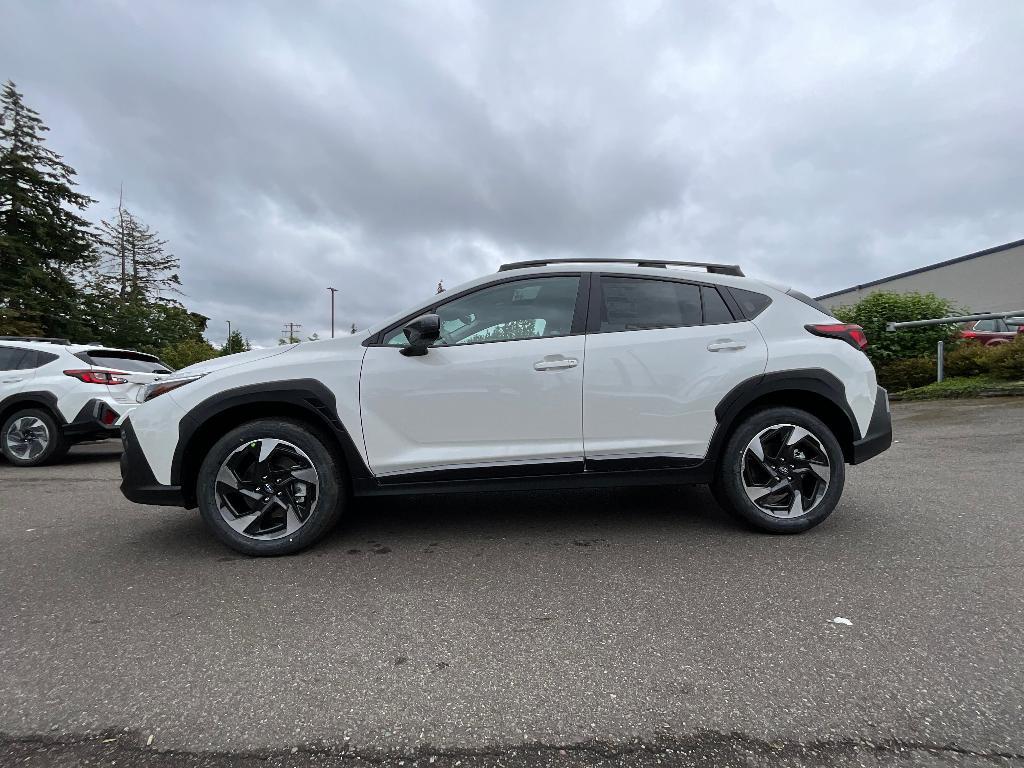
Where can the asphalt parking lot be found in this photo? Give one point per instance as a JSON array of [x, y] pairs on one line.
[[625, 627]]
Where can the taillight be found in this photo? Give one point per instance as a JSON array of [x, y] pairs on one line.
[[94, 376], [851, 334]]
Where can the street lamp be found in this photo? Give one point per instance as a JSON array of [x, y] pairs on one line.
[[333, 291]]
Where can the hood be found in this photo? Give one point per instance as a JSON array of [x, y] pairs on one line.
[[229, 361]]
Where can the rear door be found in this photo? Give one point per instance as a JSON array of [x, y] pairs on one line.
[[661, 355], [16, 368]]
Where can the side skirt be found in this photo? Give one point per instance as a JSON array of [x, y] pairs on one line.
[[535, 478]]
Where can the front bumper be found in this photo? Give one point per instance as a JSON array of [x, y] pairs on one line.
[[879, 434], [138, 483]]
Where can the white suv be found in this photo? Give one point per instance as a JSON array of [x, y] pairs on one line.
[[54, 394], [547, 374]]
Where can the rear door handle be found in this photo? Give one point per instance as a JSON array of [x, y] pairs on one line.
[[726, 345], [11, 381], [554, 365]]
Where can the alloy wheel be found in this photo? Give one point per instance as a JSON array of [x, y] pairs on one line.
[[26, 438], [267, 489], [786, 470]]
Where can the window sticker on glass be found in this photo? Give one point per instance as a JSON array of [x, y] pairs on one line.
[[526, 293]]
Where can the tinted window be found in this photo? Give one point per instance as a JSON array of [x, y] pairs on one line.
[[11, 358], [125, 361], [751, 304], [715, 309], [985, 325], [519, 309], [44, 358], [631, 304]]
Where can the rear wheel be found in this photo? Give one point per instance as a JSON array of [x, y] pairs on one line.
[[782, 470], [270, 487], [32, 437]]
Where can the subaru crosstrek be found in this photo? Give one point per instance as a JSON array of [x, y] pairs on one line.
[[547, 374], [54, 394]]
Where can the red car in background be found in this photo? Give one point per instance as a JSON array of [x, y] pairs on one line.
[[994, 331]]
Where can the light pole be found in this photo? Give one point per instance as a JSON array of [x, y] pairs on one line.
[[333, 291], [228, 345]]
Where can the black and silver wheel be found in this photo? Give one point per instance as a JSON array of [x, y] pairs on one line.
[[270, 487], [781, 470], [31, 437]]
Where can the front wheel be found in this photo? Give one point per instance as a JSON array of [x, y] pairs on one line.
[[270, 487], [782, 471]]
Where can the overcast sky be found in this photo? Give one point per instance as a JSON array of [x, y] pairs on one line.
[[382, 146]]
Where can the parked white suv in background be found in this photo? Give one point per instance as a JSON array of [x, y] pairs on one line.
[[54, 394], [546, 374]]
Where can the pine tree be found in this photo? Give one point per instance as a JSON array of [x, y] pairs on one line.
[[133, 261], [236, 342], [44, 243]]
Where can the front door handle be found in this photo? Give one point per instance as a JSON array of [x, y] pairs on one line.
[[11, 381], [554, 365], [726, 345]]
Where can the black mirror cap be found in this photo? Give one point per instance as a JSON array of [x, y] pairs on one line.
[[421, 333]]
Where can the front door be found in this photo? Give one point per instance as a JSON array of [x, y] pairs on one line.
[[501, 389]]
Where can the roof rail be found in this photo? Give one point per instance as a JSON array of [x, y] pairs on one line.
[[44, 339], [718, 269]]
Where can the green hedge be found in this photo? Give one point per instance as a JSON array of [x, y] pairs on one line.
[[968, 358]]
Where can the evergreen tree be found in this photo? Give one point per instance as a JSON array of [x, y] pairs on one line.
[[133, 260], [236, 342], [44, 243]]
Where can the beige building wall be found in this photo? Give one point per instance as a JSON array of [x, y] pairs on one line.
[[989, 281]]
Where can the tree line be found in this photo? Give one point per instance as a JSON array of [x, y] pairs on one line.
[[61, 275]]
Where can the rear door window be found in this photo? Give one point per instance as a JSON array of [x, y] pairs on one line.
[[715, 309], [12, 358], [633, 304]]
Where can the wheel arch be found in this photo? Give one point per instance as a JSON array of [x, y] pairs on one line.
[[45, 401], [306, 401], [814, 390]]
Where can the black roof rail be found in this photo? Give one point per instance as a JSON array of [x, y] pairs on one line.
[[718, 269], [44, 339]]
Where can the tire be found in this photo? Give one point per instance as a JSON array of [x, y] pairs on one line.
[[266, 498], [796, 468], [23, 434]]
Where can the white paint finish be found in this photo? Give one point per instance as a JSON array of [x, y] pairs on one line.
[[654, 392], [156, 427], [472, 404], [791, 347]]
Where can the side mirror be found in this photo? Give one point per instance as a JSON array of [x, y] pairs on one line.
[[421, 333]]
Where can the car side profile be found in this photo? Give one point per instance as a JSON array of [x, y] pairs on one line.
[[54, 394], [564, 373], [993, 331]]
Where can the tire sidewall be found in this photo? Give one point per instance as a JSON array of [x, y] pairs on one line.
[[56, 447], [729, 482], [331, 492]]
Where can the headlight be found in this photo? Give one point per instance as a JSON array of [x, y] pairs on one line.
[[164, 386]]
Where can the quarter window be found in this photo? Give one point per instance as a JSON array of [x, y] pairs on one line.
[[715, 309], [631, 304]]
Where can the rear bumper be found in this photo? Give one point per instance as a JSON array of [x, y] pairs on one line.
[[96, 420], [879, 434], [138, 483]]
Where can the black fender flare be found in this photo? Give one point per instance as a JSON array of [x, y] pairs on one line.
[[813, 380], [32, 398], [308, 394]]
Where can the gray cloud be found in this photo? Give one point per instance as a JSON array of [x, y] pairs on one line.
[[381, 147]]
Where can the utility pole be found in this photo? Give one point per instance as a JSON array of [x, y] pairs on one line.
[[333, 291], [228, 345], [290, 328]]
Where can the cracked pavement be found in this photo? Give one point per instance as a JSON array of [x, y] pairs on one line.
[[617, 627]]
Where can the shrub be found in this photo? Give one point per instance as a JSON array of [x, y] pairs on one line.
[[881, 307], [898, 375], [1007, 360], [187, 352], [969, 359]]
